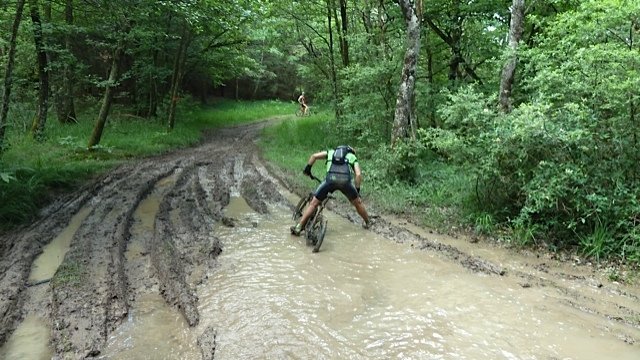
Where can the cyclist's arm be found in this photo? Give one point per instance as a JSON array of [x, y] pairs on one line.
[[317, 156], [358, 173]]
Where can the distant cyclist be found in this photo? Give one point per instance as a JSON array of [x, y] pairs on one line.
[[302, 100], [341, 163]]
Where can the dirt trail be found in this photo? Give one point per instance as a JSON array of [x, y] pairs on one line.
[[97, 282]]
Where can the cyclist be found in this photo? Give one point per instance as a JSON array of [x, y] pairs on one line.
[[302, 100], [340, 163]]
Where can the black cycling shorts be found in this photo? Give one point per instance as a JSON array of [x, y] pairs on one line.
[[336, 182]]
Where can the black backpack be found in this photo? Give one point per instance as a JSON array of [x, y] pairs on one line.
[[340, 155]]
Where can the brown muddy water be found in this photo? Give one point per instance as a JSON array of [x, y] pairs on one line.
[[364, 297], [361, 297], [31, 339]]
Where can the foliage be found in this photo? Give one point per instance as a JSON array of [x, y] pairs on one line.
[[368, 104]]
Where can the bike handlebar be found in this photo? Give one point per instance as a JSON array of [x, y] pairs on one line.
[[315, 178]]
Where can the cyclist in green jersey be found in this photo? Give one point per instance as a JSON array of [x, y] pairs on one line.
[[342, 168]]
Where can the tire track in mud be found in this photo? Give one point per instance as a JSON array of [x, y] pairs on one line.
[[95, 286], [19, 249]]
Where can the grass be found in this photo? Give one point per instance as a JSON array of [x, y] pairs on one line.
[[68, 274], [229, 113], [598, 244], [290, 143], [33, 173]]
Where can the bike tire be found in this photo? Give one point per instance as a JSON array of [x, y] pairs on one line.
[[320, 232], [311, 227], [302, 204]]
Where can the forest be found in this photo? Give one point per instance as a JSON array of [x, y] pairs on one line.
[[514, 119]]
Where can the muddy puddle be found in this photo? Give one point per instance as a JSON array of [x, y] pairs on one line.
[[152, 331], [361, 297], [29, 341], [364, 297], [45, 266]]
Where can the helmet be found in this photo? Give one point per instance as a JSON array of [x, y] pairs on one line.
[[347, 148], [350, 149]]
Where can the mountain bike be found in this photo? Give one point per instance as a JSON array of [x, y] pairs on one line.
[[316, 227], [299, 112]]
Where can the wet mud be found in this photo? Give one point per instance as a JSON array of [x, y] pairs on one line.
[[118, 257]]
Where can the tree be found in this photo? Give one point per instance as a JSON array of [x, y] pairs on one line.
[[404, 121], [8, 73], [515, 34], [107, 99], [37, 128], [65, 103], [178, 72]]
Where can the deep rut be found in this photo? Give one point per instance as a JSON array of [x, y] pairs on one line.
[[95, 285]]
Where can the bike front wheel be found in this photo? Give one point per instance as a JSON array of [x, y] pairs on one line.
[[302, 204], [312, 227], [320, 232]]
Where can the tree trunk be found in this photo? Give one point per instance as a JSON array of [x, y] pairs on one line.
[[344, 26], [107, 99], [405, 117], [455, 45], [69, 108], [516, 28], [37, 128], [178, 71], [152, 110], [432, 85], [61, 81], [8, 73], [332, 63]]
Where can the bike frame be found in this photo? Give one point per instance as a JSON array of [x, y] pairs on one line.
[[316, 225]]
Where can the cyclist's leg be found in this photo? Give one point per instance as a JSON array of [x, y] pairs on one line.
[[302, 204], [359, 205], [310, 210], [351, 193], [320, 194]]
